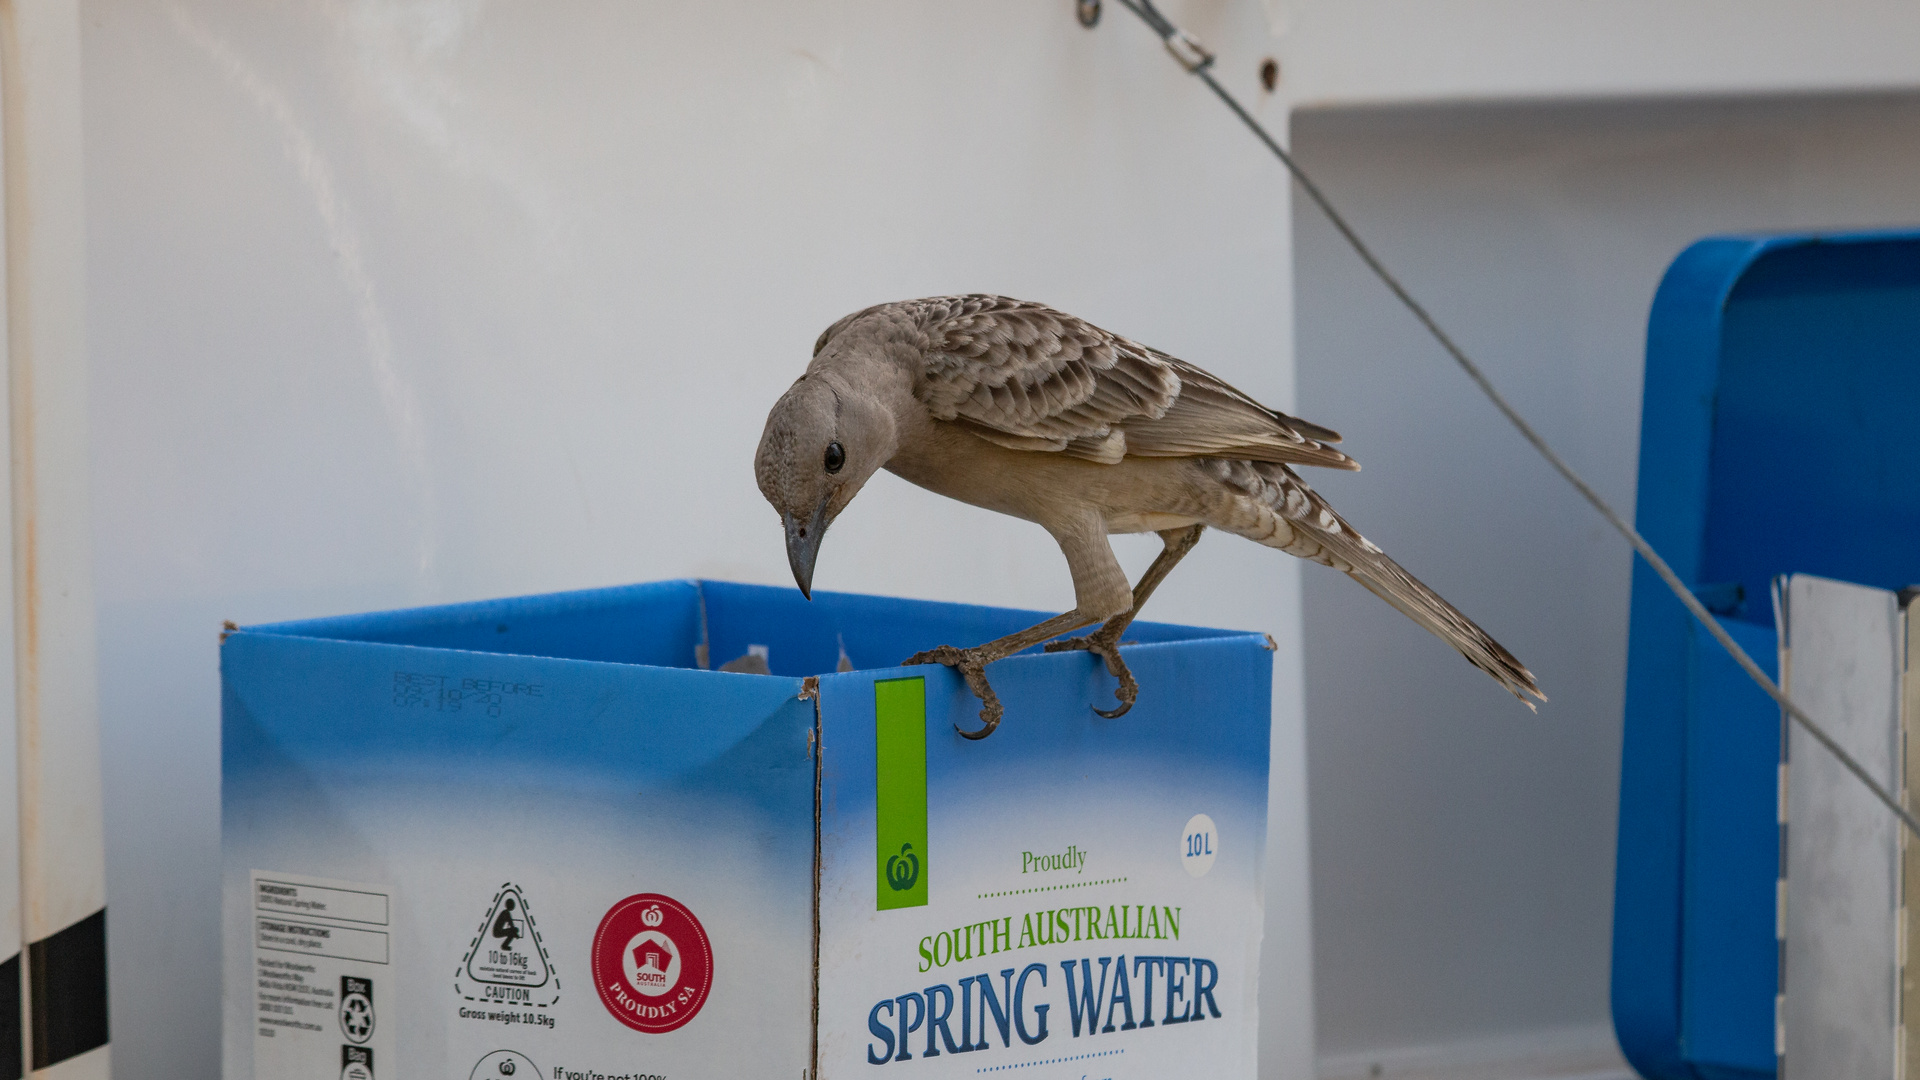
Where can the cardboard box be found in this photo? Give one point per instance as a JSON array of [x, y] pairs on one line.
[[533, 837]]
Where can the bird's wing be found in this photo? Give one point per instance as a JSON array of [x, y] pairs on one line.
[[1029, 377], [1211, 418]]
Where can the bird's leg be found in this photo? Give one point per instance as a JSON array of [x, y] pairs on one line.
[[1099, 593], [1105, 642], [972, 663]]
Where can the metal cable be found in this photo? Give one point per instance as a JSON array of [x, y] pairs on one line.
[[1198, 61]]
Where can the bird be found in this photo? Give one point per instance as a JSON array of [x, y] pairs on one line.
[[1017, 407]]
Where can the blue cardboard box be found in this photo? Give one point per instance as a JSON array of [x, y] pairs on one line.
[[536, 836]]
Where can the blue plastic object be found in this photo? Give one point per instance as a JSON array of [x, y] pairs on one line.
[[1780, 432]]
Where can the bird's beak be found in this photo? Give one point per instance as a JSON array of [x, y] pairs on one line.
[[803, 545]]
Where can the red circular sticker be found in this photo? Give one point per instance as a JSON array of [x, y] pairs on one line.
[[652, 964]]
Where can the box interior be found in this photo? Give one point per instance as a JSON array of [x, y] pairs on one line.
[[663, 624]]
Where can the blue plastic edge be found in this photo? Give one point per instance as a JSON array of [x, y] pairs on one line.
[[1682, 372], [1676, 426]]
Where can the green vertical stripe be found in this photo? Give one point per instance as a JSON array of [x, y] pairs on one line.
[[900, 796]]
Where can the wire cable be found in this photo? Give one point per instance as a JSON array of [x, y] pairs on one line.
[[1199, 62]]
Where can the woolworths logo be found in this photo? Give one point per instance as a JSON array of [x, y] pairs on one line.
[[903, 870], [900, 836]]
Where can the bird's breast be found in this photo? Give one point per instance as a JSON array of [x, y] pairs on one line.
[[1051, 489]]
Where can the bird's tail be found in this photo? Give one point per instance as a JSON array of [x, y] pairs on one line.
[[1388, 581], [1273, 506]]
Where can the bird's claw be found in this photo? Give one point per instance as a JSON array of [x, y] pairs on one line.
[[972, 666], [1108, 649]]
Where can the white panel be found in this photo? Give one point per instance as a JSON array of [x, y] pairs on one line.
[[1843, 650], [46, 290], [10, 908], [10, 924], [1463, 848], [62, 872]]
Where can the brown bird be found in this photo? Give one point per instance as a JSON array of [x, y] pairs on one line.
[[1015, 407]]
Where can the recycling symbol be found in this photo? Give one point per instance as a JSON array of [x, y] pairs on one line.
[[356, 1008]]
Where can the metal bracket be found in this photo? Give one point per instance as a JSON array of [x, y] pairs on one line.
[[1192, 55]]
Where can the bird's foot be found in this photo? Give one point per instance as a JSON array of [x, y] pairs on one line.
[[1106, 647], [972, 666]]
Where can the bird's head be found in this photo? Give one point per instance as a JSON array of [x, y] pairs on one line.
[[824, 439]]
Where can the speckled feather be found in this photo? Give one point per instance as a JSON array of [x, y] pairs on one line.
[[1028, 377]]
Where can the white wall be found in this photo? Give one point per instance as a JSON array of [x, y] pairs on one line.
[[1462, 847], [399, 303], [403, 301]]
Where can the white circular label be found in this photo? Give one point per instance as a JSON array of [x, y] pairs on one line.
[[652, 963], [1199, 841]]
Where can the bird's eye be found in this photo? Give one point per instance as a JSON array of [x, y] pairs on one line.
[[836, 457]]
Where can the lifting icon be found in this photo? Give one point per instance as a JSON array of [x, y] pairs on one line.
[[506, 962]]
